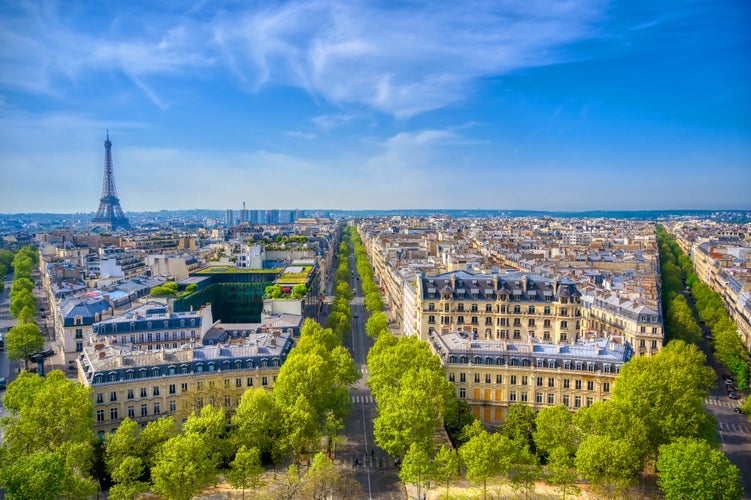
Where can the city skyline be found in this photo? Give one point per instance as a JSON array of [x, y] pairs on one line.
[[582, 105]]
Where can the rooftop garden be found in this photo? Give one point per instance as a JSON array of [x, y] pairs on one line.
[[292, 278], [280, 292], [170, 289]]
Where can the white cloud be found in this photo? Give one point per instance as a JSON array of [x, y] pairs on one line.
[[400, 59]]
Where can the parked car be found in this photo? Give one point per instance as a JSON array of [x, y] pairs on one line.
[[2, 383]]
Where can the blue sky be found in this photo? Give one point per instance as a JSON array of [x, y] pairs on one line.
[[509, 104]]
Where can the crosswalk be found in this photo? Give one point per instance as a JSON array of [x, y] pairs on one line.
[[366, 400], [735, 428], [720, 402]]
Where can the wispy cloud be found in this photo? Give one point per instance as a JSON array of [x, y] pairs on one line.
[[331, 121], [401, 59]]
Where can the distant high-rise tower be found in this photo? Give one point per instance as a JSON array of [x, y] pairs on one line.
[[110, 215]]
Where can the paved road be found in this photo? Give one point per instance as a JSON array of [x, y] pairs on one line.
[[734, 429], [6, 322], [376, 473]]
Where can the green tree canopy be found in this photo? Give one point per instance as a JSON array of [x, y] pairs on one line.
[[690, 468], [377, 324], [246, 469], [555, 429], [212, 425], [23, 340], [416, 467], [257, 422], [666, 392], [183, 466]]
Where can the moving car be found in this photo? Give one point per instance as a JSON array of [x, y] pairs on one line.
[[2, 383], [738, 409], [733, 395]]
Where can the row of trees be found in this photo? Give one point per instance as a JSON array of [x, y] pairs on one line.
[[6, 263], [656, 417], [304, 414], [373, 301], [680, 323], [679, 318], [728, 346], [340, 315], [25, 338]]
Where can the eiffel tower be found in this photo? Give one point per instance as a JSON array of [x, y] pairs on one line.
[[110, 215]]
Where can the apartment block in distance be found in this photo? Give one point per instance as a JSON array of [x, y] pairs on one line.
[[502, 306]]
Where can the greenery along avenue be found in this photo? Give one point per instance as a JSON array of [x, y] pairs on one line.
[[25, 338], [677, 273], [656, 418], [656, 412]]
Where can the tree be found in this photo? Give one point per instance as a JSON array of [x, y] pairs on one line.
[[519, 425], [21, 285], [409, 413], [183, 467], [527, 470], [152, 438], [23, 340], [301, 428], [20, 301], [212, 426], [289, 487], [246, 469], [377, 324], [445, 467], [324, 480], [666, 392], [127, 477], [122, 444], [561, 472], [299, 290], [416, 467], [485, 455], [48, 432], [27, 315], [610, 464], [373, 302], [332, 427], [22, 266], [58, 411], [33, 476], [257, 422], [690, 468], [6, 258], [555, 429]]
